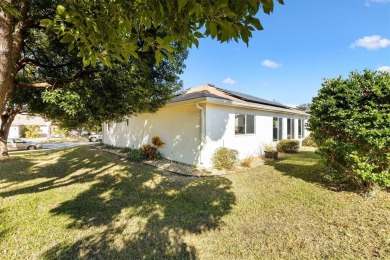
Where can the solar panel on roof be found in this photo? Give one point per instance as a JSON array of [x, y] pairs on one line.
[[251, 98]]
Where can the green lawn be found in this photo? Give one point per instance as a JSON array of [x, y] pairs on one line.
[[84, 203]]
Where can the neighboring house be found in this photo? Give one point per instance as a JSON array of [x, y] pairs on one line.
[[200, 120], [21, 121]]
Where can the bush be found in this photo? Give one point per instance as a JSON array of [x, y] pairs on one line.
[[150, 151], [288, 146], [308, 141], [31, 131], [136, 155], [156, 141], [247, 162], [224, 158], [350, 123], [108, 146], [126, 149]]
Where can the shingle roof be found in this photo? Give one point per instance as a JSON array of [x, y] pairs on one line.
[[29, 120]]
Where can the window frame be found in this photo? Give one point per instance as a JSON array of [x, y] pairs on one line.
[[245, 124], [279, 128], [290, 128], [301, 128]]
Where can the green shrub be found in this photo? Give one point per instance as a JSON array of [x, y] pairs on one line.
[[136, 155], [31, 131], [108, 146], [268, 147], [308, 141], [126, 149], [224, 158], [288, 146], [350, 123]]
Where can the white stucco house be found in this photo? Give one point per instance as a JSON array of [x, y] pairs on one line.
[[200, 120], [22, 120]]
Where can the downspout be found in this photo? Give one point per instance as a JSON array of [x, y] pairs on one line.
[[202, 134]]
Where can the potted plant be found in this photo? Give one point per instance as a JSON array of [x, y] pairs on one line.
[[270, 152]]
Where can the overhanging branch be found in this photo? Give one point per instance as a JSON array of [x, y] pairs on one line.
[[33, 85], [35, 62], [58, 82]]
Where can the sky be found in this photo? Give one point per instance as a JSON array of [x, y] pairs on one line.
[[303, 43]]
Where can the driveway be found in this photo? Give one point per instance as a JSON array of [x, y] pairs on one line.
[[63, 145], [49, 146]]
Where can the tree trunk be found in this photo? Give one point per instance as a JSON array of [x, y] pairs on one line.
[[11, 40], [6, 78], [6, 121], [7, 68]]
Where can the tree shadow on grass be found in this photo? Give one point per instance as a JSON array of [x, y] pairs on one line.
[[142, 214], [307, 166], [59, 169]]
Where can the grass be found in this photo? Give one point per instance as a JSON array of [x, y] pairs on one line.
[[83, 203]]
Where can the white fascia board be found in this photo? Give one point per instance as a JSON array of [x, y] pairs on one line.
[[186, 102], [232, 103], [254, 106]]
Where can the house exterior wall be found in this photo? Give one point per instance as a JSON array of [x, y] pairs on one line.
[[181, 128], [177, 126], [220, 130], [21, 121], [14, 132]]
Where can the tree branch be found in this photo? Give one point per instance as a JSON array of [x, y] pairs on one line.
[[23, 62], [18, 31], [58, 82], [33, 85]]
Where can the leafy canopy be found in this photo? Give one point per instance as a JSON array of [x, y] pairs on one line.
[[106, 94], [112, 29], [350, 123]]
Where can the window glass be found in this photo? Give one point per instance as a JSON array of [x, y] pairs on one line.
[[240, 124], [250, 124], [275, 128], [292, 128], [244, 124], [299, 128], [288, 128], [280, 128]]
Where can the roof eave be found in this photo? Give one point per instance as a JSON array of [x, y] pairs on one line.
[[256, 106], [226, 102]]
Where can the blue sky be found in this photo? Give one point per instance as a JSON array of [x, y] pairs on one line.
[[303, 42]]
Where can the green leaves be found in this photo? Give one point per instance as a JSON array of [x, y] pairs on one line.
[[9, 9], [181, 4], [103, 31], [350, 122], [60, 9]]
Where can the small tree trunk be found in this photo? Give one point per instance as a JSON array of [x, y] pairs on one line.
[[6, 121], [3, 146]]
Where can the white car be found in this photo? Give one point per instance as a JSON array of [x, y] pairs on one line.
[[20, 144], [95, 137]]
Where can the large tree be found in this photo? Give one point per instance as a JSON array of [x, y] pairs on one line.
[[101, 32], [109, 94]]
